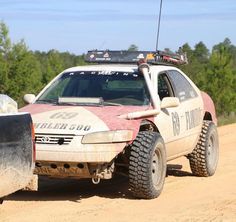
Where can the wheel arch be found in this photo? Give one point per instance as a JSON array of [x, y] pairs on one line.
[[207, 116], [209, 108], [148, 125]]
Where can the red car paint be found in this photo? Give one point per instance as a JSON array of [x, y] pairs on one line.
[[209, 106]]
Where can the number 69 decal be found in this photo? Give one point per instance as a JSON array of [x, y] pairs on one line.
[[175, 123]]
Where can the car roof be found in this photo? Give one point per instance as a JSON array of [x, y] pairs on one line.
[[118, 67]]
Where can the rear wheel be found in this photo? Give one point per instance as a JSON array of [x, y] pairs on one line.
[[147, 165], [204, 158]]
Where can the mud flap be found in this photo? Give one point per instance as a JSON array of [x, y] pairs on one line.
[[16, 152]]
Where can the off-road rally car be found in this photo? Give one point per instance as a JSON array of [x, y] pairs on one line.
[[17, 154], [123, 117]]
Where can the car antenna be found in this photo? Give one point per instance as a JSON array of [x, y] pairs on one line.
[[155, 57], [158, 26]]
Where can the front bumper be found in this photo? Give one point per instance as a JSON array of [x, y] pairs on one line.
[[77, 152]]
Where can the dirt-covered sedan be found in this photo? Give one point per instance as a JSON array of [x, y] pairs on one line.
[[97, 120]]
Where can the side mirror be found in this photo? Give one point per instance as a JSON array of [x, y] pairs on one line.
[[169, 102], [29, 98]]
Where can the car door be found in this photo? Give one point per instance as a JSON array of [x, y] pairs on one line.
[[191, 106], [170, 121]]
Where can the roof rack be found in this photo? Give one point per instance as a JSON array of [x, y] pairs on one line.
[[124, 56]]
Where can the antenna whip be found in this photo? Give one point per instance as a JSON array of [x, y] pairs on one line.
[[159, 24]]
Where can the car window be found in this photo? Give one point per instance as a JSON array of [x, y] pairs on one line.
[[182, 87], [59, 87], [164, 86]]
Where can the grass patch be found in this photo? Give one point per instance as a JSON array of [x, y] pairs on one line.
[[224, 120]]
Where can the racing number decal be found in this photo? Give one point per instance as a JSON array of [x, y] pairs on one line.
[[175, 123], [63, 115]]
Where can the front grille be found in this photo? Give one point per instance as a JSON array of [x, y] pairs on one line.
[[53, 139]]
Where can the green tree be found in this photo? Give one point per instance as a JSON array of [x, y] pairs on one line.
[[24, 72], [19, 69], [187, 68], [201, 52], [5, 47], [168, 50], [220, 80], [195, 69], [5, 42], [186, 49], [53, 66], [226, 44], [229, 46], [133, 47]]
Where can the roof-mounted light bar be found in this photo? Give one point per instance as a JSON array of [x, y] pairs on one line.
[[159, 57]]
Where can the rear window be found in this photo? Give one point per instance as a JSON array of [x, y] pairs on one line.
[[183, 88]]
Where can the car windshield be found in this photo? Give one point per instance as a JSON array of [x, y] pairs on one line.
[[112, 88]]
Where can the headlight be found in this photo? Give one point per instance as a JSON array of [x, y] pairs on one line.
[[108, 137]]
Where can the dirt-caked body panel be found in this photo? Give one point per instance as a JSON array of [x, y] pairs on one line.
[[75, 123], [179, 126], [16, 152]]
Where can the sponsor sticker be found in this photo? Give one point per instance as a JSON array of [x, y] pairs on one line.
[[62, 126]]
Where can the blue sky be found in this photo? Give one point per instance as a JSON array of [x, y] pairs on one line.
[[79, 25]]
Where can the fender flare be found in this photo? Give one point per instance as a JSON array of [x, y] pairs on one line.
[[208, 108], [148, 123]]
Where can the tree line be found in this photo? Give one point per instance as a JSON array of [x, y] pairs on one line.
[[25, 71]]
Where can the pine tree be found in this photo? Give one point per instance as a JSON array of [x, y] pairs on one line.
[[24, 72], [54, 65], [5, 47], [220, 80]]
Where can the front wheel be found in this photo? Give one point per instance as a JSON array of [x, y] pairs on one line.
[[204, 158], [147, 165]]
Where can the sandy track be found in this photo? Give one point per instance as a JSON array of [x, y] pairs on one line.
[[184, 198]]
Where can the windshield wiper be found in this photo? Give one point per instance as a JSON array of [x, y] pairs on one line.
[[46, 101], [111, 104]]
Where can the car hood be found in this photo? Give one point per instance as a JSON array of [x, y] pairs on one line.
[[81, 120]]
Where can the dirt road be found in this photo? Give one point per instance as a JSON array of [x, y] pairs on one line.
[[184, 198]]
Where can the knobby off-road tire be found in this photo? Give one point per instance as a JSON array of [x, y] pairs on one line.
[[147, 166], [204, 158]]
